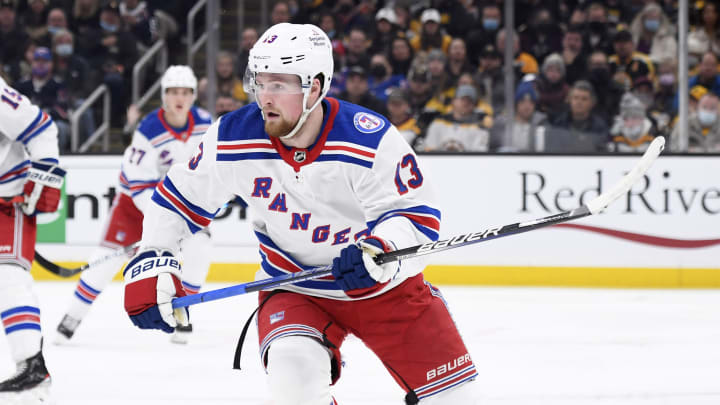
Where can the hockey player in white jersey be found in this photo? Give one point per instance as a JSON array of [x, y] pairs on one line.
[[30, 182], [326, 181], [165, 136]]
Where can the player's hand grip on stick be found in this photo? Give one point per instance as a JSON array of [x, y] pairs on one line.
[[42, 188], [598, 204], [152, 280], [355, 268]]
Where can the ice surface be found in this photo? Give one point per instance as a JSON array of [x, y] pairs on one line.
[[530, 345]]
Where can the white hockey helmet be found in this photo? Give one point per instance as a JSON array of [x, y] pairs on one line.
[[178, 76], [299, 49]]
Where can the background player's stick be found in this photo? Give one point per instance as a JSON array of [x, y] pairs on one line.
[[69, 272], [595, 206]]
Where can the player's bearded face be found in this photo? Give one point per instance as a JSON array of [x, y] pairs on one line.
[[280, 97]]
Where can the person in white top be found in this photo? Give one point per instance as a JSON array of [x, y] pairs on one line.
[[167, 135], [30, 183], [326, 181]]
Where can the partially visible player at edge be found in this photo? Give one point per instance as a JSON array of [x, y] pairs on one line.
[[30, 182], [326, 182], [167, 135]]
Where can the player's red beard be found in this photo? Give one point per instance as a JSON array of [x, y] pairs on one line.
[[279, 127]]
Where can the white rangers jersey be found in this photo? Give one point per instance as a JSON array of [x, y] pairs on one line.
[[26, 133], [360, 177], [155, 147]]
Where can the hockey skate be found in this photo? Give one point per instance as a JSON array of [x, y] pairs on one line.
[[66, 329], [181, 334], [29, 385]]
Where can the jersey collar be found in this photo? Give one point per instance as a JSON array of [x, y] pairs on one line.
[[299, 157], [182, 135]]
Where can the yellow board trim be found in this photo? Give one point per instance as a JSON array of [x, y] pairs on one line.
[[614, 277]]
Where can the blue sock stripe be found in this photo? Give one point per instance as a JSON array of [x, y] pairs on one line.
[[87, 287], [83, 299], [13, 311], [22, 326]]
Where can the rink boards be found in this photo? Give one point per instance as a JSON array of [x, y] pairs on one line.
[[664, 233]]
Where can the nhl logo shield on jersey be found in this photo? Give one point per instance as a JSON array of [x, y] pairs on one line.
[[368, 123], [299, 156]]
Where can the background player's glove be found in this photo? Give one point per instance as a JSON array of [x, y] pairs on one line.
[[42, 188], [355, 267], [152, 280]]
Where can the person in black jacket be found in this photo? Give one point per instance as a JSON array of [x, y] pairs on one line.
[[356, 91], [579, 129]]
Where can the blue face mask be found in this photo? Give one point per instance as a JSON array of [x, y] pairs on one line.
[[53, 30], [652, 25], [108, 27], [490, 24], [707, 118], [64, 49]]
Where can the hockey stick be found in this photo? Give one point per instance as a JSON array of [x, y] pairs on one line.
[[69, 272], [595, 206]]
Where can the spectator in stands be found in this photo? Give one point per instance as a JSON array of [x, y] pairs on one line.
[[542, 36], [137, 19], [598, 33], [464, 19], [490, 78], [74, 72], [420, 93], [626, 64], [608, 91], [632, 130], [551, 86], [85, 20], [579, 129], [13, 38], [48, 93], [280, 13], [247, 39], [707, 75], [56, 21], [707, 33], [524, 62], [662, 107], [653, 33], [357, 91], [528, 124], [401, 55], [573, 54], [403, 19], [482, 106], [461, 130], [384, 31], [382, 78], [436, 60], [225, 103], [400, 115], [357, 49], [431, 35], [35, 20], [703, 129], [227, 81], [491, 22], [457, 61], [329, 25]]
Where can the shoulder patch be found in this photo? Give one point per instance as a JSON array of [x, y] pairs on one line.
[[368, 123]]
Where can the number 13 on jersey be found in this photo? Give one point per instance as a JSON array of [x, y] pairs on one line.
[[416, 179]]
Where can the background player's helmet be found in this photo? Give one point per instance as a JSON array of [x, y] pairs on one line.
[[299, 49], [178, 76]]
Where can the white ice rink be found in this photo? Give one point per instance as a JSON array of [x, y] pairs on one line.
[[530, 345]]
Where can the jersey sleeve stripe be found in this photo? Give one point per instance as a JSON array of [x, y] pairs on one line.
[[424, 218], [16, 172], [44, 124], [169, 197], [32, 125]]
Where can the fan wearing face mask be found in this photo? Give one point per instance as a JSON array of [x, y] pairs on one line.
[[632, 130], [703, 129]]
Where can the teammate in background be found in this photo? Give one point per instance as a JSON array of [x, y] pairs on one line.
[[167, 135], [327, 182], [30, 182]]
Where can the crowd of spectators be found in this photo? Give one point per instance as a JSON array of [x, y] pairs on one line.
[[589, 76], [57, 52]]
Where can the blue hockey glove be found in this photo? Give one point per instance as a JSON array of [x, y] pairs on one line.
[[152, 280], [355, 267]]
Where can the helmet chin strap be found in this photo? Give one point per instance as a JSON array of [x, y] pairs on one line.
[[303, 117]]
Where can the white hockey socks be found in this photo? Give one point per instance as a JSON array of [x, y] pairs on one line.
[[299, 371], [19, 312]]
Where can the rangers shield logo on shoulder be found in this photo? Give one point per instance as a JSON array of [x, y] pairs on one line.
[[299, 156], [368, 123]]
